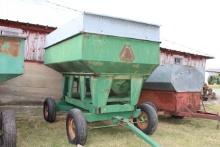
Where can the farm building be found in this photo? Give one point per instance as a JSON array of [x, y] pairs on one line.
[[173, 53], [39, 81]]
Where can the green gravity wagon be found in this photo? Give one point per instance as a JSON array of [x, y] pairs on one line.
[[11, 65], [11, 57], [104, 61]]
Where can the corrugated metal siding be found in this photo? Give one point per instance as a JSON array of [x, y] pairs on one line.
[[195, 61]]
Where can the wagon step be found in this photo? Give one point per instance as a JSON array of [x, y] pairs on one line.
[[138, 132]]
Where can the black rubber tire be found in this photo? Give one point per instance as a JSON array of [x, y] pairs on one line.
[[152, 104], [49, 110], [78, 134], [177, 117], [8, 128], [152, 119]]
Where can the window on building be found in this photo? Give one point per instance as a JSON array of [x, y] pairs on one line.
[[178, 60]]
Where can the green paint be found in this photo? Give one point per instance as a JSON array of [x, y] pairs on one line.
[[70, 86], [117, 108], [86, 104], [136, 85], [101, 54], [115, 80], [101, 101], [109, 48], [100, 127], [68, 50], [11, 66], [63, 106], [121, 87], [138, 132], [100, 88], [119, 99], [91, 117], [82, 88]]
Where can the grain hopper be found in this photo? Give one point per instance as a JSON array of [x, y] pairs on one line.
[[176, 90], [11, 57], [104, 61], [11, 65]]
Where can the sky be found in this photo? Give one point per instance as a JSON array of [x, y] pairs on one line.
[[192, 23]]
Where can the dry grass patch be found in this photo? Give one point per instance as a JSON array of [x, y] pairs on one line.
[[35, 132]]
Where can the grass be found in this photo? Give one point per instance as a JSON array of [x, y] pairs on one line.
[[35, 132]]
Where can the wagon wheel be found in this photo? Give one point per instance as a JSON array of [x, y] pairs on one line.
[[152, 104], [49, 110], [8, 129], [147, 121], [76, 127]]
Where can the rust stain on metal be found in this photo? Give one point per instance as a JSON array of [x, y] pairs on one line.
[[9, 46], [127, 54], [177, 103], [172, 102]]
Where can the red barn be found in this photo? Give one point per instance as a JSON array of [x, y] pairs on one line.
[[173, 53]]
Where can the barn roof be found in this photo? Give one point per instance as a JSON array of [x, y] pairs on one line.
[[26, 26], [173, 46]]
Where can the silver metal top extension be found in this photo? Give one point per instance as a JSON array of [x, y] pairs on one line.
[[105, 25]]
